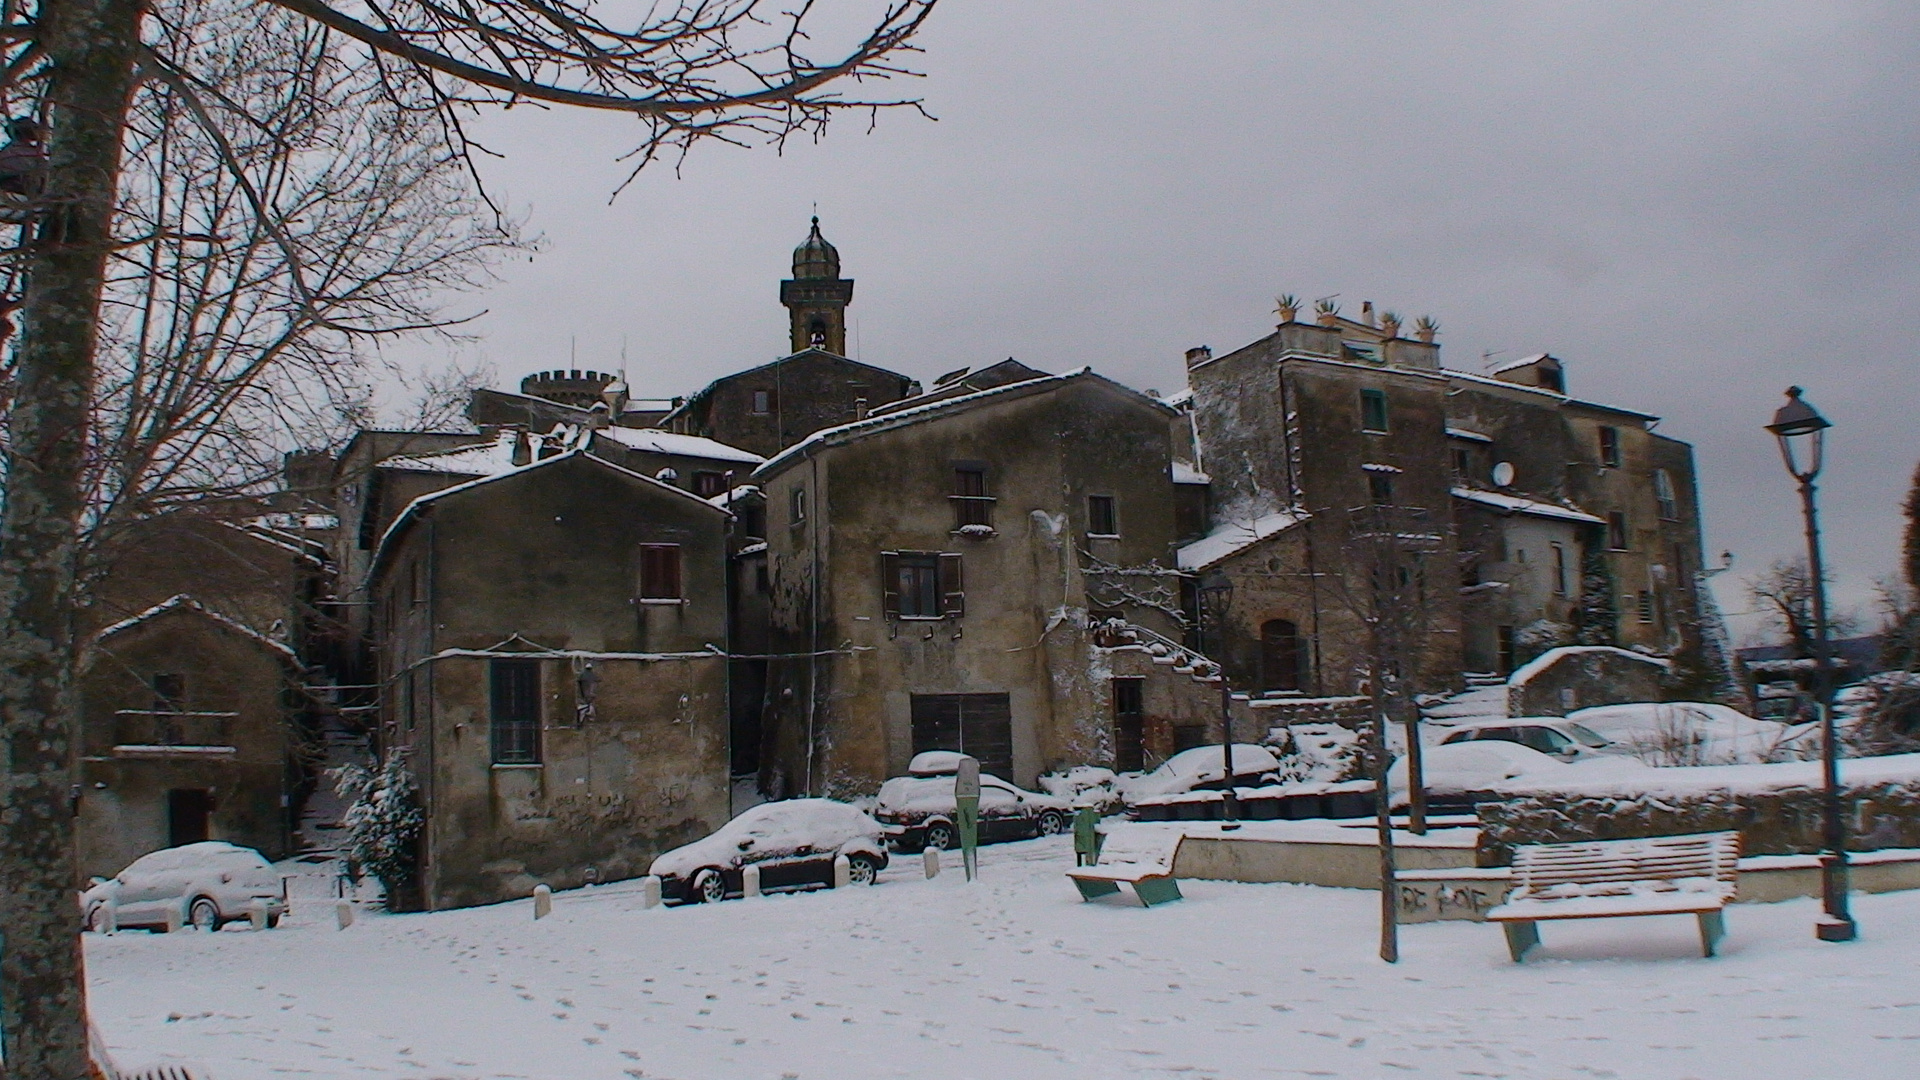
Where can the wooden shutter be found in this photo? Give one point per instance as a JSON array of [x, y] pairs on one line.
[[890, 583], [953, 588]]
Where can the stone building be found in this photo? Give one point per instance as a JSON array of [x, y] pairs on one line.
[[770, 407], [1530, 518], [551, 644], [940, 576]]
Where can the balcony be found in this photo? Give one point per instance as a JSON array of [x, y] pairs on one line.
[[152, 733]]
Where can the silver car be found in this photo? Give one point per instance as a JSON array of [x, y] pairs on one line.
[[204, 885]]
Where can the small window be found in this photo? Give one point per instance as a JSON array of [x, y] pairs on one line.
[[1380, 488], [762, 402], [1462, 462], [1646, 606], [708, 484], [1373, 411], [1617, 530], [971, 503], [417, 582], [1559, 570], [660, 572], [753, 520], [1663, 494], [1103, 516], [515, 707], [1609, 447], [922, 585], [169, 693], [797, 506]]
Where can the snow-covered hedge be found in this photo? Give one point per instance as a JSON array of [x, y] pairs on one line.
[[1775, 808]]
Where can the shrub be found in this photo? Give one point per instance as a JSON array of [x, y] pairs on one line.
[[383, 823]]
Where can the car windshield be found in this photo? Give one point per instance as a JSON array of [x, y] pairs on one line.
[[1587, 736]]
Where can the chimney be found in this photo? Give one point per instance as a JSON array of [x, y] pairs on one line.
[[522, 452], [1198, 355], [1366, 312]]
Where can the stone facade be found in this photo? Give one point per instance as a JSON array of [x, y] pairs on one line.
[[552, 648]]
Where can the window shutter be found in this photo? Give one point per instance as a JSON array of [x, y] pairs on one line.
[[953, 588], [890, 583]]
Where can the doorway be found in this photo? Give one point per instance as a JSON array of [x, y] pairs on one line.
[[189, 816]]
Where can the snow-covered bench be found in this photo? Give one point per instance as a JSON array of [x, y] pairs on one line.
[[1662, 875], [1147, 867]]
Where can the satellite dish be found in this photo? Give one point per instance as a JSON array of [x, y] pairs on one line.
[[1503, 473]]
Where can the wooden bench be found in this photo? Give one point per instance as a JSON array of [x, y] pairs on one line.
[[1662, 875], [1149, 872]]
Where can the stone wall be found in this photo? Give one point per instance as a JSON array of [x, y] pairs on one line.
[[1562, 680]]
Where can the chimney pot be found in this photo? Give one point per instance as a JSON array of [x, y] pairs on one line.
[[1198, 355]]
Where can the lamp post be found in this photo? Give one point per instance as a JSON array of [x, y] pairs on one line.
[[1801, 432], [1216, 598]]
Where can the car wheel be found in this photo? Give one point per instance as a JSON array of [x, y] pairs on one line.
[[204, 914], [273, 921], [942, 835], [861, 870], [1052, 823], [709, 887]]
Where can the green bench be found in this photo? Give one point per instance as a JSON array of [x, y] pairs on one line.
[[1149, 873]]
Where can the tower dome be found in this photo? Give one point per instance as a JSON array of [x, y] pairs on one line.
[[815, 258]]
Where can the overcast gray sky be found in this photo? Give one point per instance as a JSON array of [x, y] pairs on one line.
[[1694, 205]]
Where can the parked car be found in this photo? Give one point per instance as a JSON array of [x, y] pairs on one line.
[[205, 885], [1554, 735], [1693, 733], [918, 809], [1199, 769], [794, 843], [1454, 770]]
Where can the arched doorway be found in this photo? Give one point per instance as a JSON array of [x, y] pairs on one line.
[[1282, 663]]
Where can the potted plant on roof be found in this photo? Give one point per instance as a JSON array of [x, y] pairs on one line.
[[1426, 328], [1288, 305], [1390, 324], [1326, 312]]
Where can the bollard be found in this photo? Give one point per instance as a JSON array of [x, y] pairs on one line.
[[930, 858], [542, 901], [649, 892], [842, 872], [110, 916], [173, 919], [343, 912], [257, 915], [750, 881]]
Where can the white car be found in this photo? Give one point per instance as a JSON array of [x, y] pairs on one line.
[[1691, 733], [204, 885], [1560, 736], [918, 809], [1199, 768]]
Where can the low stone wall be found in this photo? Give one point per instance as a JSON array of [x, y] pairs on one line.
[[1348, 712], [1786, 821], [1313, 855]]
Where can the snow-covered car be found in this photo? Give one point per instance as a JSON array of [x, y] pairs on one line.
[[1559, 736], [1451, 771], [1199, 769], [1690, 733], [204, 885], [918, 809], [1084, 785], [794, 843]]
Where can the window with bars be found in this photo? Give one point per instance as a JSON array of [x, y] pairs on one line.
[[660, 572], [1373, 411], [972, 505], [922, 585], [514, 698], [1103, 516]]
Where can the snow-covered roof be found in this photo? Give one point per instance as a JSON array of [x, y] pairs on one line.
[[1234, 537], [1175, 400], [1374, 466], [183, 602], [1515, 504], [1488, 380], [657, 441], [1545, 660], [1463, 433], [1184, 473], [1525, 361], [744, 491], [933, 409], [413, 508], [480, 459]]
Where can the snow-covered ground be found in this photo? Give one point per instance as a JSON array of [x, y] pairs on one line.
[[1011, 977]]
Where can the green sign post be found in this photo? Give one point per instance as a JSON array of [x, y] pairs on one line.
[[966, 799]]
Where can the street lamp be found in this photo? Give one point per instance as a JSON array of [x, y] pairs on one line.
[[1216, 598], [1802, 434]]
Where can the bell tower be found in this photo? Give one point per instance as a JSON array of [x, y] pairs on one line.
[[817, 296]]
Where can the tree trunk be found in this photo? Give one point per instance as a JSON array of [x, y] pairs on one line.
[[91, 48]]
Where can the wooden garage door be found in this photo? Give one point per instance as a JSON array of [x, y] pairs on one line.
[[976, 724]]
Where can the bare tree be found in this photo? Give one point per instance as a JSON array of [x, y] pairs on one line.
[[688, 71], [1783, 594]]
